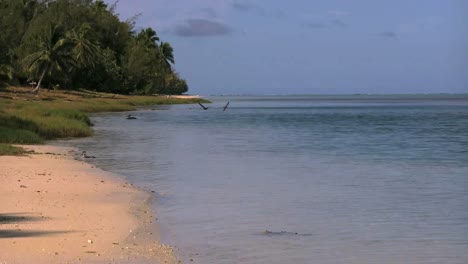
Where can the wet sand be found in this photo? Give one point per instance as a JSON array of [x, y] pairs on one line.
[[57, 209]]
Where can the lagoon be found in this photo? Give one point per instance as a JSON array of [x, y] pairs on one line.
[[360, 179]]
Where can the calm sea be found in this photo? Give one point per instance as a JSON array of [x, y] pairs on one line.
[[334, 179]]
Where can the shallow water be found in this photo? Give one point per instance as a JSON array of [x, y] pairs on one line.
[[360, 179]]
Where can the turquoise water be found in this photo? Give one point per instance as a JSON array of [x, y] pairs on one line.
[[360, 179]]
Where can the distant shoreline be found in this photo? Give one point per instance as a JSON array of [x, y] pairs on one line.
[[186, 96]]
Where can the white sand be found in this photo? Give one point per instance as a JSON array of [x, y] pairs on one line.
[[55, 209]]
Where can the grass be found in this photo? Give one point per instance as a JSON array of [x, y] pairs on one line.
[[19, 136], [10, 150], [26, 118]]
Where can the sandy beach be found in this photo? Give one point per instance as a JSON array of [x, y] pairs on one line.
[[57, 209], [186, 96]]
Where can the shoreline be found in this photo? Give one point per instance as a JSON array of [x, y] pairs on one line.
[[187, 96], [55, 208]]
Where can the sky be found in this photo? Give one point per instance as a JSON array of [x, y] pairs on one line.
[[312, 46]]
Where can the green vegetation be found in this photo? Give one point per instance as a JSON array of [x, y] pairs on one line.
[[11, 150], [74, 44], [26, 118], [68, 45], [19, 136]]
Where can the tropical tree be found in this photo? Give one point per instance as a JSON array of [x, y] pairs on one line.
[[6, 74], [148, 37], [53, 55], [84, 50], [90, 47], [99, 6], [28, 10], [167, 53]]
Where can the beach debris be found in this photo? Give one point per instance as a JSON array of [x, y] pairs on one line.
[[23, 186], [226, 106], [204, 107], [86, 156], [272, 233], [90, 241], [131, 117]]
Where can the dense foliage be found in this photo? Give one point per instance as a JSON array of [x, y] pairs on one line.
[[72, 44]]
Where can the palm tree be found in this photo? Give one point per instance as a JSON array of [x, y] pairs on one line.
[[100, 6], [167, 53], [149, 37], [53, 55], [84, 51]]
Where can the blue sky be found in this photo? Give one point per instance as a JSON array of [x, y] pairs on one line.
[[312, 47]]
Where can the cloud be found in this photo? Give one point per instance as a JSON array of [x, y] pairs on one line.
[[329, 20], [242, 6], [388, 34], [166, 15], [201, 28], [338, 23], [245, 6]]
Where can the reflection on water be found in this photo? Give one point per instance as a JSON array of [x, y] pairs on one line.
[[360, 179]]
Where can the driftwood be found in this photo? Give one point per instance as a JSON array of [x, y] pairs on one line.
[[276, 233], [86, 156]]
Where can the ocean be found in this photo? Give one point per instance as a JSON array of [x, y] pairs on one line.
[[352, 179]]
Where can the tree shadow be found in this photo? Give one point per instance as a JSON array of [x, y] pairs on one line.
[[15, 122], [17, 218], [13, 233]]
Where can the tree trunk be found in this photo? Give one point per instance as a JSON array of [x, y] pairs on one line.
[[36, 90]]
